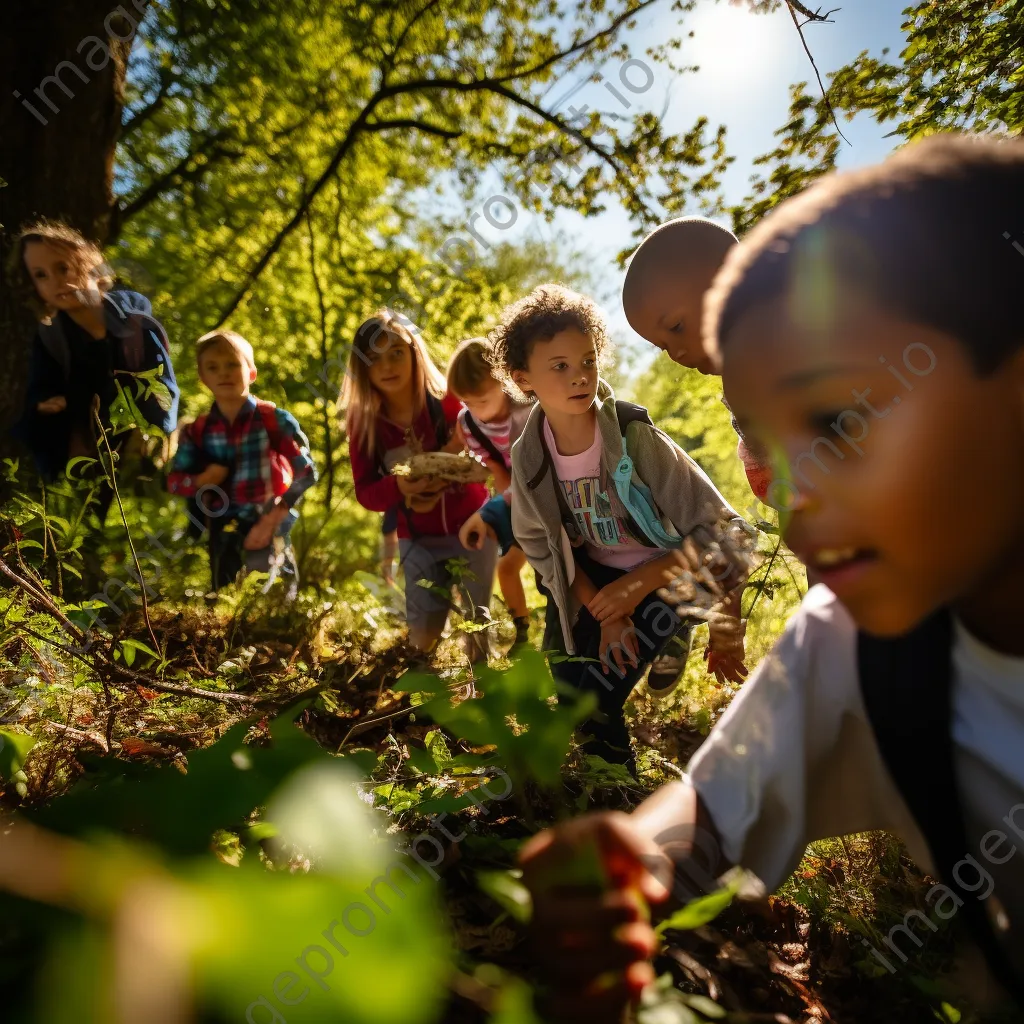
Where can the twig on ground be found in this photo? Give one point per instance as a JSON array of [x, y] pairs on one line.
[[79, 734], [373, 720], [671, 765]]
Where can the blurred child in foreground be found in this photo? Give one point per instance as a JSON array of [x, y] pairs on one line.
[[866, 333]]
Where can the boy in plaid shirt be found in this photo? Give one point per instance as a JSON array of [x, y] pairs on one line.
[[245, 463]]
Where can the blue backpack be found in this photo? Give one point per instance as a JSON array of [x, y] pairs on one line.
[[632, 491]]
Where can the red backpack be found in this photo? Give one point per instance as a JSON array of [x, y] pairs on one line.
[[281, 474]]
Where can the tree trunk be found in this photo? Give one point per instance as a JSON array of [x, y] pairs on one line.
[[59, 137]]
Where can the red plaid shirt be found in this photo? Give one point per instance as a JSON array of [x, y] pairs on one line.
[[263, 447]]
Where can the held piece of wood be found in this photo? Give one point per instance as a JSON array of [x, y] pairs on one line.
[[458, 469]]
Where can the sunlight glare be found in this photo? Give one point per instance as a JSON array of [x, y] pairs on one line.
[[737, 51]]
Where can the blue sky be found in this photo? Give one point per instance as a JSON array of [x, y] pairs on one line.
[[747, 63]]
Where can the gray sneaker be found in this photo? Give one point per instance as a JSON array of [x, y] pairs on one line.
[[668, 667]]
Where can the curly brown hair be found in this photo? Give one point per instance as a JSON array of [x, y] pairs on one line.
[[81, 251], [539, 316]]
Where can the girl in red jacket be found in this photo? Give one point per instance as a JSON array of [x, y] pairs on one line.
[[395, 405]]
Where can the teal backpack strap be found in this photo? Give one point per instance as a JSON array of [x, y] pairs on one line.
[[637, 498]]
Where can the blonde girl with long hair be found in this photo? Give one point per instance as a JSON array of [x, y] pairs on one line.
[[395, 404]]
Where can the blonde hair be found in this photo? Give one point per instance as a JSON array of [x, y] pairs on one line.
[[360, 400], [82, 253], [471, 368], [232, 338]]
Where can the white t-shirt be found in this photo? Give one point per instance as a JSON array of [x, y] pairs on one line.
[[607, 539], [793, 760]]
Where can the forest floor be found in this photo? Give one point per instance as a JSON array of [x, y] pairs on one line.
[[803, 955]]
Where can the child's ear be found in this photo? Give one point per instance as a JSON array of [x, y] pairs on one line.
[[252, 374], [521, 380]]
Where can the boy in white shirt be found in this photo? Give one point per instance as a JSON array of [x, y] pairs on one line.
[[869, 335]]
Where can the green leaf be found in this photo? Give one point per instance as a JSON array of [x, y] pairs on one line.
[[699, 911], [514, 1003], [225, 782], [80, 460], [506, 889], [14, 748], [708, 1007], [438, 749], [514, 713], [162, 394], [138, 645], [361, 931]]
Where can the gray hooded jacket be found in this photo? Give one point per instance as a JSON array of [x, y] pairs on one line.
[[683, 494]]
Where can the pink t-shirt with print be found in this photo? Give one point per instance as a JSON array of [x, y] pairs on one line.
[[608, 541]]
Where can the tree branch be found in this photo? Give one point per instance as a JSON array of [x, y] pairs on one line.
[[178, 173], [427, 7], [324, 355], [363, 122], [146, 112], [809, 14], [575, 133], [335, 162], [793, 6], [409, 122], [580, 46]]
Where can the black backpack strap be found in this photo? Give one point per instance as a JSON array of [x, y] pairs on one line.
[[484, 441], [907, 686], [546, 466], [627, 412], [438, 419]]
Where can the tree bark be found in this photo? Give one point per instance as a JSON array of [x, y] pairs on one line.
[[59, 137]]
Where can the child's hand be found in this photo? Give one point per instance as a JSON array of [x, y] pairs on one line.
[[410, 485], [262, 533], [725, 651], [590, 935], [52, 405], [213, 476], [619, 635], [387, 570], [725, 667], [619, 599], [474, 532], [424, 502]]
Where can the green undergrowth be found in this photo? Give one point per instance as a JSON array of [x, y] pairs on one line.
[[310, 767]]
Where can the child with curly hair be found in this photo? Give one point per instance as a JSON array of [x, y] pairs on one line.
[[602, 500]]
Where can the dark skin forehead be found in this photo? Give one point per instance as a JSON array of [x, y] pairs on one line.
[[934, 487]]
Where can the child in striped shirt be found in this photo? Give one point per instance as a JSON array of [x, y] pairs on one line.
[[490, 424]]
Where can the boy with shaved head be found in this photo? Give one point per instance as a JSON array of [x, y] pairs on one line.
[[663, 299]]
